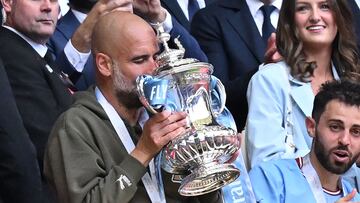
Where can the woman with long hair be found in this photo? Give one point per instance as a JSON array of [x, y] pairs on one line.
[[317, 42]]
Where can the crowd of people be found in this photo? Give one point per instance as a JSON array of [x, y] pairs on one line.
[[72, 127]]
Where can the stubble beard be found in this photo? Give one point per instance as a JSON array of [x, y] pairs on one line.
[[323, 156], [125, 90]]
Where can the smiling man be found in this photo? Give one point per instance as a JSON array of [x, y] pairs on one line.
[[335, 128], [39, 92]]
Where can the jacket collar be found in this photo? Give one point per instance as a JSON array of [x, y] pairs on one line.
[[302, 93], [174, 8], [68, 24], [244, 24]]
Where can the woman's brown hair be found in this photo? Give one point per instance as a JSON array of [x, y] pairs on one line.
[[344, 54]]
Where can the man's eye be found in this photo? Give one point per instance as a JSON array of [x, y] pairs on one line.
[[335, 128], [138, 60], [355, 132]]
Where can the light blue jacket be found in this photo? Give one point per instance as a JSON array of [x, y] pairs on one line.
[[278, 106], [281, 181]]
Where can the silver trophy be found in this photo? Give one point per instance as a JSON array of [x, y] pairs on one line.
[[202, 151]]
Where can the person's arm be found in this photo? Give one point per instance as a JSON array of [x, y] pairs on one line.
[[268, 184], [76, 51], [75, 165], [265, 132], [81, 39], [158, 131]]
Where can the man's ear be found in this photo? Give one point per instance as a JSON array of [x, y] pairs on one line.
[[7, 4], [310, 126], [103, 64]]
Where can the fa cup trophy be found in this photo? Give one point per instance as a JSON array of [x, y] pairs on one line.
[[203, 150]]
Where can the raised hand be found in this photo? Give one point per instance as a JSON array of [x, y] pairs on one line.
[[271, 54], [150, 10], [81, 39]]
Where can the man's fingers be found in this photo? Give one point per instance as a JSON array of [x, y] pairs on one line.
[[272, 40], [160, 117], [173, 134], [348, 197], [270, 52], [123, 5], [167, 117], [168, 128]]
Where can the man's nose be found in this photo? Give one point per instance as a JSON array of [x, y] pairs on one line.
[[344, 138], [46, 5], [153, 65]]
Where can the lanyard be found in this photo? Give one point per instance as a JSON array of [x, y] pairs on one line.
[[314, 181], [152, 186]]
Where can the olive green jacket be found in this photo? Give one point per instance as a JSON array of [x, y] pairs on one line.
[[85, 158]]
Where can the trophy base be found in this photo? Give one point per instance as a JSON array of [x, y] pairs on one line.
[[208, 178]]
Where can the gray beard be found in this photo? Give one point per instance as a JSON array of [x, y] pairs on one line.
[[128, 99]]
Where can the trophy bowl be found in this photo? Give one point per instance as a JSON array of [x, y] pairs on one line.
[[201, 153]]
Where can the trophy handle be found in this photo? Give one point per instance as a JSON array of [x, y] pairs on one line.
[[140, 89], [219, 87]]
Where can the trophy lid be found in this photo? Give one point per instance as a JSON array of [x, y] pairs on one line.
[[172, 60]]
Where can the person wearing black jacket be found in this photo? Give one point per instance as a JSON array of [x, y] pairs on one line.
[[39, 91], [19, 172]]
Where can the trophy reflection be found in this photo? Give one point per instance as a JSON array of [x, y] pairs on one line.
[[202, 151]]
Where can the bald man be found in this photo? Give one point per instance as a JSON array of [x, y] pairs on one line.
[[97, 151]]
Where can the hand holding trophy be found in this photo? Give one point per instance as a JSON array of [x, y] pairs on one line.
[[206, 146]]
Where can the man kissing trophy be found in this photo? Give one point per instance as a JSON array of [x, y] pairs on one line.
[[211, 139]]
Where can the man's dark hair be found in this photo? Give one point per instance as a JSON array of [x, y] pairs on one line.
[[82, 5], [345, 91]]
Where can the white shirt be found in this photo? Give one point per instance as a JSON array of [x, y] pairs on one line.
[[358, 3], [153, 184], [41, 49], [76, 58], [79, 15], [184, 7], [64, 8], [257, 14]]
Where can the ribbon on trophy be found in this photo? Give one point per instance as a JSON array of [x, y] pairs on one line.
[[239, 191], [155, 91], [157, 94]]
